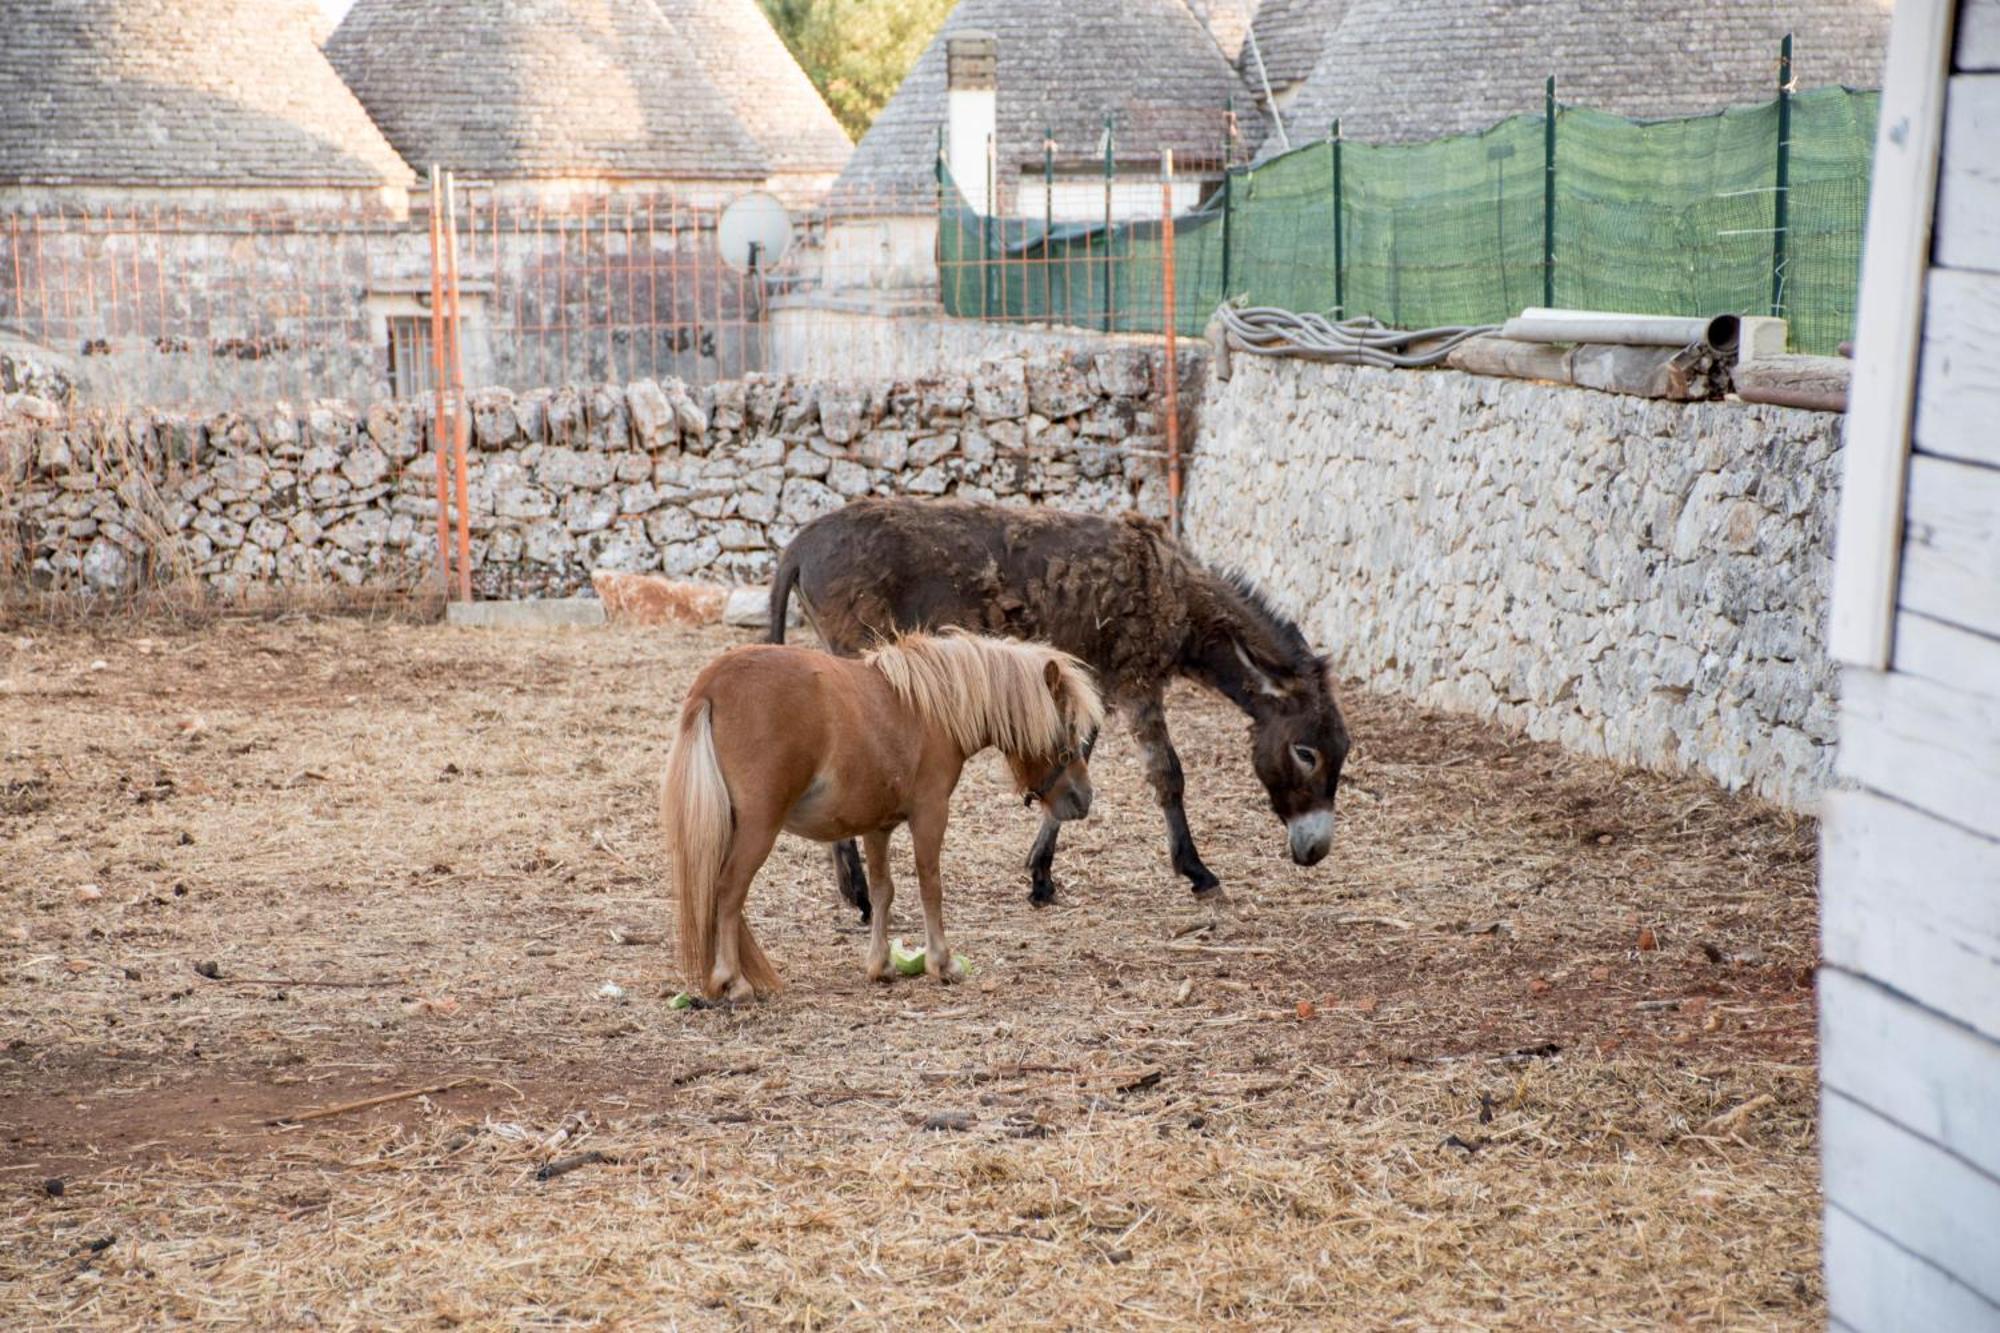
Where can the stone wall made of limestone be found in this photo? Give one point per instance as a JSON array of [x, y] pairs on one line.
[[698, 483], [1636, 579]]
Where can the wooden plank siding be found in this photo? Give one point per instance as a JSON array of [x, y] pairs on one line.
[[1978, 36], [1968, 205], [1958, 389], [1951, 544], [1910, 854], [1877, 1284], [1914, 904]]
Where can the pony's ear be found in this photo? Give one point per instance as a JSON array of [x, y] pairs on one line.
[[1052, 673]]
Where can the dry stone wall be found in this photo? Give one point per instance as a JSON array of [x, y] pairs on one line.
[[1639, 580], [701, 483]]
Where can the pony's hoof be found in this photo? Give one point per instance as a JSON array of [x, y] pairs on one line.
[[949, 974], [881, 971], [741, 992]]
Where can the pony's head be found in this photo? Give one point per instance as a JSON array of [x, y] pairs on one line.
[[1060, 781], [1035, 704]]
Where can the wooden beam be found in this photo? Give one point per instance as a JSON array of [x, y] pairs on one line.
[[1924, 744], [1815, 382], [1920, 1197], [1913, 903], [1968, 210], [1904, 1062], [1490, 354], [1958, 391], [1951, 554], [1902, 194], [1872, 1284]]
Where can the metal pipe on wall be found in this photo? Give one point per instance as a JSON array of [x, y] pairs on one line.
[[1538, 324]]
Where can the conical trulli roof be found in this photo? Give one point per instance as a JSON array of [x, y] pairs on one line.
[[1398, 71], [179, 92], [540, 89], [1290, 34], [1063, 66], [1227, 21], [755, 73]]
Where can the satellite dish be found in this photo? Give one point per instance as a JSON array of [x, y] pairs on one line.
[[754, 232]]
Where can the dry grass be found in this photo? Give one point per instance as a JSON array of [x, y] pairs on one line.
[[1500, 1112]]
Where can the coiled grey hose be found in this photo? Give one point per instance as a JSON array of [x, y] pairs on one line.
[[1269, 331]]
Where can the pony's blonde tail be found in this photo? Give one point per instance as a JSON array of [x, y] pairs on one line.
[[694, 816]]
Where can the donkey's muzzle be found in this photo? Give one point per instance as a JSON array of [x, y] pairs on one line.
[[1311, 836]]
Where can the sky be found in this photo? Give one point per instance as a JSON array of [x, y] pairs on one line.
[[335, 9]]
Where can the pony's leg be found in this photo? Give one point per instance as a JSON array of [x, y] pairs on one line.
[[1163, 769], [749, 847], [927, 833], [881, 893], [849, 877], [1041, 860]]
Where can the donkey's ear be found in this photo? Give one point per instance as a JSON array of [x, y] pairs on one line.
[[1259, 678], [1053, 674]]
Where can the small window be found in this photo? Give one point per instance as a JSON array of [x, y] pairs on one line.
[[410, 367]]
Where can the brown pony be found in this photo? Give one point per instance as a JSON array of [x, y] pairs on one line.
[[774, 739]]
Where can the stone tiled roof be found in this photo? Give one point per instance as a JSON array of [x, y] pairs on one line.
[[772, 97], [535, 89], [1289, 35], [1227, 21], [179, 92], [1063, 66], [1398, 71]]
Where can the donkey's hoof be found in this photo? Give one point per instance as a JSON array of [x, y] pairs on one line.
[[1211, 892], [1043, 894]]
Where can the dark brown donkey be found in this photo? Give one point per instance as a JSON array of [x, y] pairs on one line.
[[1118, 593]]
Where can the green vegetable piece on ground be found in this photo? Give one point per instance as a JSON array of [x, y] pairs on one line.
[[910, 962], [681, 1001]]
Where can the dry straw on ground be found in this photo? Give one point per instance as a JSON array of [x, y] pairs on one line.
[[1434, 1082]]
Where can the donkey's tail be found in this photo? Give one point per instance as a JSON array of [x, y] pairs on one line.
[[696, 818], [781, 590]]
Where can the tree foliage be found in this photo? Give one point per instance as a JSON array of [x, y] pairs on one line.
[[856, 51]]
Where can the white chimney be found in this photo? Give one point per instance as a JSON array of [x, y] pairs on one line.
[[972, 62]]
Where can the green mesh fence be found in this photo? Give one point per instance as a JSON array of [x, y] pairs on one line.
[[1664, 217]]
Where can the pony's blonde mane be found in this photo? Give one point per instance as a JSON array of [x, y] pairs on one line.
[[991, 691]]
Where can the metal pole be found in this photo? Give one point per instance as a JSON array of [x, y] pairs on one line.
[[1048, 223], [1110, 237], [437, 384], [987, 297], [1549, 193], [461, 420], [1339, 231], [1229, 209], [1173, 361], [1781, 203], [938, 170]]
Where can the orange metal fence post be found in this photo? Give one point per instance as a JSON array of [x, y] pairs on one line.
[[461, 420], [437, 385], [1167, 322]]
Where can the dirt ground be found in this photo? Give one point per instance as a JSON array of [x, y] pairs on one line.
[[1533, 1048]]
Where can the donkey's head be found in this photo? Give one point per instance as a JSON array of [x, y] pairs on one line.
[[1298, 744], [1054, 770], [1260, 660]]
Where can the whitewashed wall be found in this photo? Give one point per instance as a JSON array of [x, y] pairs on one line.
[[1910, 990]]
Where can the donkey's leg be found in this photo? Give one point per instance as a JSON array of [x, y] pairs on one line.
[[848, 875], [1041, 860], [927, 833], [881, 893], [1163, 770], [749, 847]]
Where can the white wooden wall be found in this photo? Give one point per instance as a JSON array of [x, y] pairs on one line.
[[1910, 991]]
